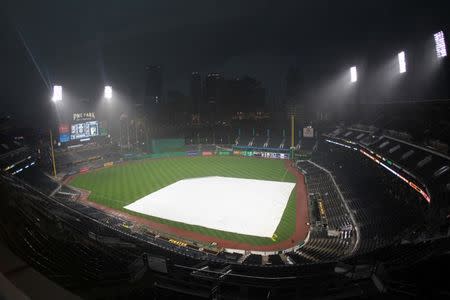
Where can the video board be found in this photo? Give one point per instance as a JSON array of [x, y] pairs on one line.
[[84, 130], [64, 133]]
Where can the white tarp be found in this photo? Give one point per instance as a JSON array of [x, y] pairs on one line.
[[245, 206]]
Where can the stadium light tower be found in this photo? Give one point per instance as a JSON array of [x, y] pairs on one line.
[[353, 74], [402, 62], [108, 92], [57, 93], [439, 41]]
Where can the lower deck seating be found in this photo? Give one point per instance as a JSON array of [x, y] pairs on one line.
[[330, 217], [36, 178], [253, 259]]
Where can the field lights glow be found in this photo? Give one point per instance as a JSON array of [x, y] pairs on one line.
[[402, 62], [439, 40], [353, 74], [108, 92], [57, 93]]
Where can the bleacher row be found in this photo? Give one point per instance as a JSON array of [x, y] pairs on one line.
[[218, 135], [57, 237], [427, 165], [383, 206], [320, 183], [8, 145], [35, 177], [93, 156], [261, 142], [54, 247], [321, 246]]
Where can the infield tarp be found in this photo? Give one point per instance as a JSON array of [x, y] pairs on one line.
[[245, 206]]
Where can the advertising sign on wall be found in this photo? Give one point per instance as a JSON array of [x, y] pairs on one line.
[[108, 164], [192, 153], [84, 169], [225, 153]]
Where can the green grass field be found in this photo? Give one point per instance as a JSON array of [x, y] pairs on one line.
[[121, 185]]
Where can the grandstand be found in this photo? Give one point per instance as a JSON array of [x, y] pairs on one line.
[[232, 151], [382, 208], [261, 142], [91, 156], [352, 218]]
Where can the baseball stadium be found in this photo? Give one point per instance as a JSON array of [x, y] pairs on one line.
[[329, 179]]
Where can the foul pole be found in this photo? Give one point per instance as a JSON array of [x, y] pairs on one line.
[[53, 153], [292, 131]]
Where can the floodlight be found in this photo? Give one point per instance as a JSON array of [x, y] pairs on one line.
[[108, 92], [57, 93], [439, 40], [402, 62], [353, 74]]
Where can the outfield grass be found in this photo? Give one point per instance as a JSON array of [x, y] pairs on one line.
[[121, 185]]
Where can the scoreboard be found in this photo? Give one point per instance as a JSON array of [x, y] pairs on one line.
[[82, 127], [84, 130]]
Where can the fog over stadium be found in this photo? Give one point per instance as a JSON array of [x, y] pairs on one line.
[[224, 149]]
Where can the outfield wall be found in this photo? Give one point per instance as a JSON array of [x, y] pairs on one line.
[[281, 154], [220, 152]]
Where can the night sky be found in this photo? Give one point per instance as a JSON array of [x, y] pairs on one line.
[[84, 44]]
